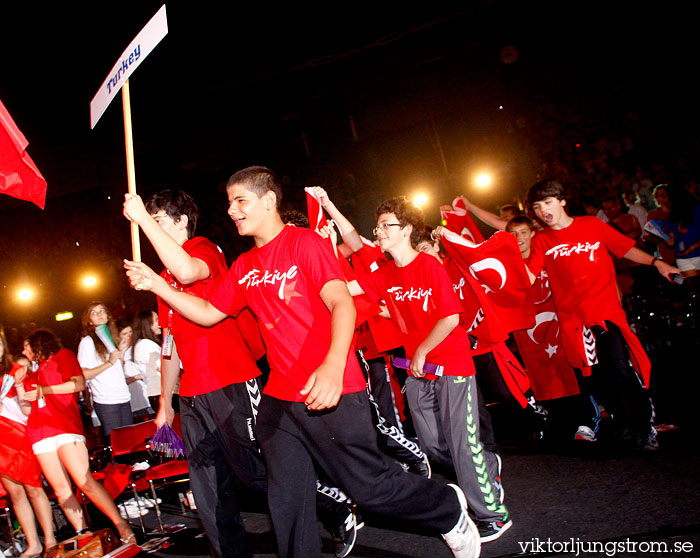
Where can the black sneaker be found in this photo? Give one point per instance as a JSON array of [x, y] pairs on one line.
[[345, 535], [420, 467], [492, 530]]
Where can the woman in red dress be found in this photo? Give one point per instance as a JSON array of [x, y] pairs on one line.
[[20, 473], [55, 431]]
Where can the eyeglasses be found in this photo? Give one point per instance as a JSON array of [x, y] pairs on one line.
[[384, 227]]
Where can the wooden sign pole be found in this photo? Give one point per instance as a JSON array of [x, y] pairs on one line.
[[130, 169]]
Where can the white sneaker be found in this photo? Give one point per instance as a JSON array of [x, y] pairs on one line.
[[586, 434], [463, 539]]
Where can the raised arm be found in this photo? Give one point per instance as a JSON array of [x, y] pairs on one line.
[[184, 267], [351, 238], [198, 310], [487, 217]]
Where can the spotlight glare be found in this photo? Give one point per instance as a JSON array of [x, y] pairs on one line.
[[483, 180], [420, 200], [25, 294], [89, 281]]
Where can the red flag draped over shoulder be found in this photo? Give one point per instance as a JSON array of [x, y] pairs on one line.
[[19, 176], [458, 219], [499, 271]]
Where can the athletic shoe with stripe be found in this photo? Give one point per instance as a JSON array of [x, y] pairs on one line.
[[586, 434], [345, 535], [492, 530], [463, 539]]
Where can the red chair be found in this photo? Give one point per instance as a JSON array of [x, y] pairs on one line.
[[133, 441], [169, 472]]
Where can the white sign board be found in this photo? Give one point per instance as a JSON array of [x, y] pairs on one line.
[[140, 47]]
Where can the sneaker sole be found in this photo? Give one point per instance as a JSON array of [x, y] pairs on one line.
[[507, 525], [351, 543]]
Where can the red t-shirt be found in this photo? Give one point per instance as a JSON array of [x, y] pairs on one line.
[[281, 282], [212, 357], [60, 414], [417, 296], [580, 269]]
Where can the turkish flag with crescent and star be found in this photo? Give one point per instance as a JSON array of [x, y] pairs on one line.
[[458, 220], [500, 278], [542, 350]]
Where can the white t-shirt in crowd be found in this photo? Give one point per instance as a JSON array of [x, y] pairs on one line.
[[108, 387], [147, 357], [139, 398], [639, 212]]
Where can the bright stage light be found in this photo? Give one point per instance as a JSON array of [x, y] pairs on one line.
[[420, 200], [89, 281], [483, 180], [25, 294]]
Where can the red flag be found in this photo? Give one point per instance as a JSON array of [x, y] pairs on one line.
[[369, 258], [317, 219], [458, 219], [19, 176], [384, 334], [499, 270], [542, 349]]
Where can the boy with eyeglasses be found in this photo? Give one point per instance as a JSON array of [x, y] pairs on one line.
[[444, 404], [314, 411]]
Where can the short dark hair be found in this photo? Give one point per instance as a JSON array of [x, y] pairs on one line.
[[405, 210], [548, 188], [631, 195], [175, 203], [513, 208], [520, 220], [422, 235], [294, 217], [259, 180], [44, 344]]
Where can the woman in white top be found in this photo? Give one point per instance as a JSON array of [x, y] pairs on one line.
[[104, 370], [146, 347], [140, 407]]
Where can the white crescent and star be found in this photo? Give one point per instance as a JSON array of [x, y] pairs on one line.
[[541, 318], [466, 233], [489, 263]]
